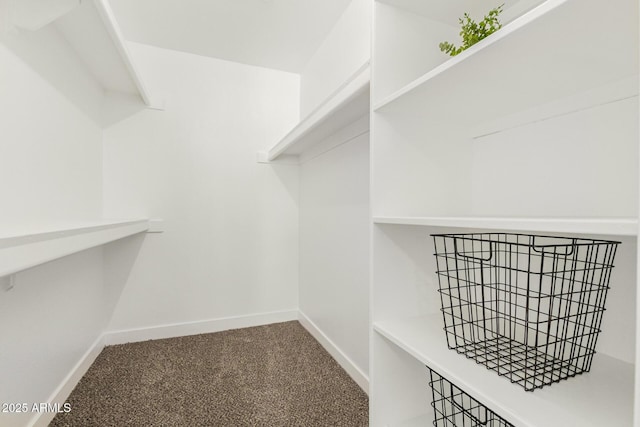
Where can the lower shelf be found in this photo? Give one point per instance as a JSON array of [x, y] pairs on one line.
[[601, 397]]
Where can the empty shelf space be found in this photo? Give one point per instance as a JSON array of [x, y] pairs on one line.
[[22, 250], [344, 107], [604, 226], [603, 396]]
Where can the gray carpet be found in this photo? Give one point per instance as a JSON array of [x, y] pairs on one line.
[[274, 375]]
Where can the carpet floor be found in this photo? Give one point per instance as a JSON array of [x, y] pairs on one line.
[[273, 375]]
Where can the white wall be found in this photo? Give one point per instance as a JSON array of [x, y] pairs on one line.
[[50, 152], [334, 200], [402, 47], [602, 141], [48, 321], [50, 171], [231, 242], [343, 52], [334, 247]]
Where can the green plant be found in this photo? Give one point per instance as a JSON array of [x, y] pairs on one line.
[[472, 32]]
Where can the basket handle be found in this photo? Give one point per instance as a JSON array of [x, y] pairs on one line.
[[540, 248], [537, 248], [455, 248]]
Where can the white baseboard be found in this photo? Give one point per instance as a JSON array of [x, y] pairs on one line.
[[62, 392], [200, 327], [347, 364]]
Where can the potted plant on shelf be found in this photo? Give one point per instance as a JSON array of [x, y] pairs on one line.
[[472, 32]]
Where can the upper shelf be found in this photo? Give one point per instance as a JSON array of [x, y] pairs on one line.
[[602, 397], [604, 226], [20, 251], [531, 61], [348, 103], [91, 29]]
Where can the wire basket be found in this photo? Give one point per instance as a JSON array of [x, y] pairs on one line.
[[528, 307], [454, 408]]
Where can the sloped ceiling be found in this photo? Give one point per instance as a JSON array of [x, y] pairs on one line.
[[279, 34]]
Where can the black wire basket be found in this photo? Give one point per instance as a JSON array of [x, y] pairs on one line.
[[453, 407], [526, 306]]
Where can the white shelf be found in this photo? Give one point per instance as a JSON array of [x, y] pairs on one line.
[[91, 29], [485, 82], [602, 397], [605, 226], [345, 106], [20, 251]]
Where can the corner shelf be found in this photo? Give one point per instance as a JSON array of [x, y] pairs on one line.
[[349, 103], [527, 50], [601, 397], [20, 251], [604, 226], [93, 32]]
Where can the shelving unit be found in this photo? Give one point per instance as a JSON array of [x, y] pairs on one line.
[[349, 103], [20, 251], [91, 29], [533, 129], [424, 144]]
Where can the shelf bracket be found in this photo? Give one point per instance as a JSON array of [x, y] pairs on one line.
[[7, 283], [284, 159]]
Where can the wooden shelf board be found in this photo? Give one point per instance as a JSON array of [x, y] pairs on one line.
[[603, 226], [22, 250], [345, 106], [601, 397]]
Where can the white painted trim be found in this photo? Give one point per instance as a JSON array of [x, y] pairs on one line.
[[199, 327], [347, 364], [64, 389]]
